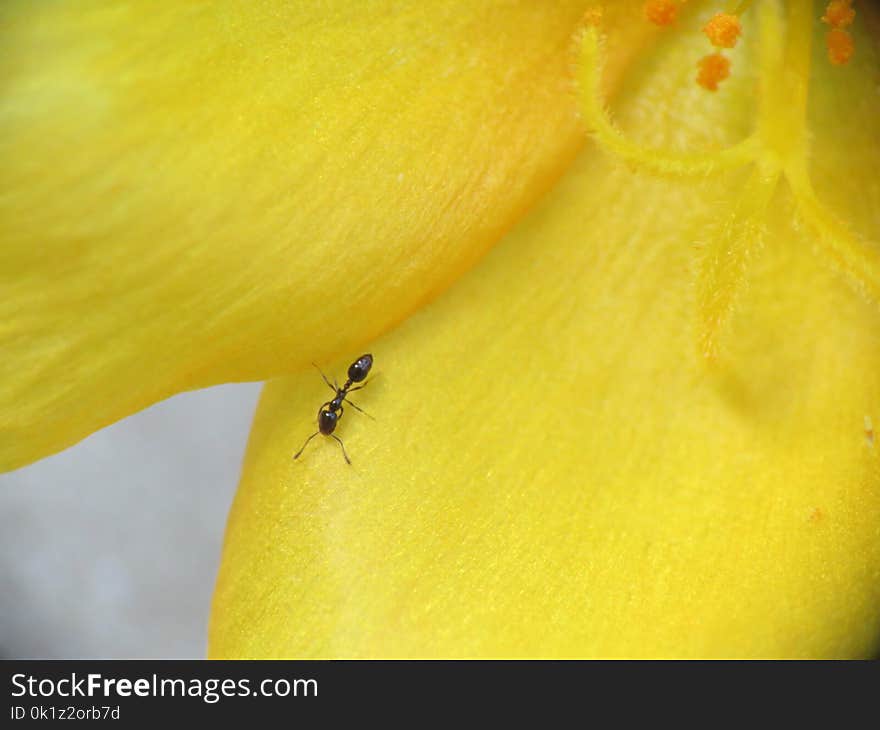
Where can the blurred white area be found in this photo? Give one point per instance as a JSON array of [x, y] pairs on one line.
[[110, 549]]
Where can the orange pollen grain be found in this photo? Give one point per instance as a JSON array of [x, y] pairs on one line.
[[839, 14], [661, 12], [723, 30], [713, 69], [840, 46]]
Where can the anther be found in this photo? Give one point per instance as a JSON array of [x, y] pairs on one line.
[[840, 46], [661, 12], [839, 14], [713, 69], [723, 30]]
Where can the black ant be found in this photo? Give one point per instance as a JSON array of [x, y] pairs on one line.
[[330, 413]]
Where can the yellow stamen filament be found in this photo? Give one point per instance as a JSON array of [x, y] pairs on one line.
[[785, 74], [853, 258], [607, 134], [778, 148], [858, 262], [731, 244]]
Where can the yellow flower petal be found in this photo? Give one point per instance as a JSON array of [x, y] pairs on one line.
[[194, 193], [554, 470]]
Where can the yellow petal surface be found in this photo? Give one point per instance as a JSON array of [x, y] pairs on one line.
[[193, 193], [554, 469]]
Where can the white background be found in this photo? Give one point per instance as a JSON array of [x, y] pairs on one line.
[[110, 549]]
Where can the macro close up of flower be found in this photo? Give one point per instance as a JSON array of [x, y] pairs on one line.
[[618, 265]]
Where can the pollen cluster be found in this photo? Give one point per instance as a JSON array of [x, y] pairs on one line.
[[723, 30], [593, 16], [713, 69], [661, 12], [839, 15], [777, 151]]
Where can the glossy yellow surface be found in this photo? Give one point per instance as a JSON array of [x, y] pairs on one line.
[[198, 192], [643, 425], [556, 468]]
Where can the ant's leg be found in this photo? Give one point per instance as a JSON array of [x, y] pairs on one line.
[[334, 389], [343, 447], [358, 408], [296, 455]]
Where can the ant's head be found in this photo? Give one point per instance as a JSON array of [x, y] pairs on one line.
[[360, 368]]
